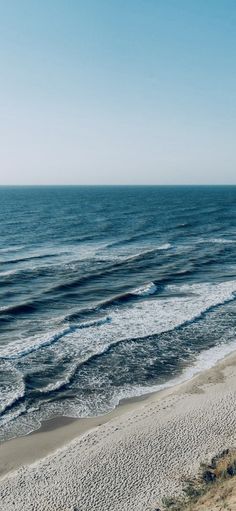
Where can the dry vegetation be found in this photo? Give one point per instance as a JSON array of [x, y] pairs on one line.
[[213, 490]]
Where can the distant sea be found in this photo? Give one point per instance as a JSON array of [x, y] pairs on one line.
[[108, 293]]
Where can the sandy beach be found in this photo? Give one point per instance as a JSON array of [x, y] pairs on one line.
[[127, 460]]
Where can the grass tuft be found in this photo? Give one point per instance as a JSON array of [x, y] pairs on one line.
[[211, 476]]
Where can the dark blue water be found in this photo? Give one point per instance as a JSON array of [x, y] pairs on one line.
[[110, 292]]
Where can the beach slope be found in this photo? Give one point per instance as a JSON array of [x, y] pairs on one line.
[[141, 454]]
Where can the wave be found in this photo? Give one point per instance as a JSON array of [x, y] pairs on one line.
[[60, 384], [11, 249], [143, 253], [103, 404], [147, 318], [131, 239], [116, 300], [18, 395], [97, 322], [165, 246], [30, 258], [138, 320], [116, 262], [7, 273], [12, 387], [18, 309], [19, 349], [18, 274], [205, 360], [148, 289], [10, 418], [120, 259], [220, 241], [100, 405]]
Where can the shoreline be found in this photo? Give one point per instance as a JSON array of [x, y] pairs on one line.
[[13, 452], [39, 443], [28, 449], [71, 427], [135, 455]]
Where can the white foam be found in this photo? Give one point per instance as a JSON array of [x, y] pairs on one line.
[[205, 360], [88, 408], [144, 318], [23, 347], [165, 246], [147, 289], [7, 273], [222, 241], [60, 383], [147, 251], [12, 387], [123, 255], [11, 249], [147, 317]]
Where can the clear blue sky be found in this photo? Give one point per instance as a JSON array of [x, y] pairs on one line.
[[117, 91]]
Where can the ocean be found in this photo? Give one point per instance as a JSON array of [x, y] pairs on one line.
[[108, 293]]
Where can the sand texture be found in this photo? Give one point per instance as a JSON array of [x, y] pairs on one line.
[[130, 462]]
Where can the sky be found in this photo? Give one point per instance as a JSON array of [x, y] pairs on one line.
[[117, 92]]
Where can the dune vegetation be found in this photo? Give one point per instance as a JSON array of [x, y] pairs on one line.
[[214, 489]]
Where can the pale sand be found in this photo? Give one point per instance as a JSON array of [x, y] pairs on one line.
[[140, 452]]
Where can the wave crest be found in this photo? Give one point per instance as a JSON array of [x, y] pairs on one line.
[[147, 289]]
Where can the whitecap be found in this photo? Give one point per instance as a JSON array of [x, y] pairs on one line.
[[8, 273], [147, 289], [11, 249], [220, 241]]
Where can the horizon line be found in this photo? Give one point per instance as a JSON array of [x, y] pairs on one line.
[[18, 185]]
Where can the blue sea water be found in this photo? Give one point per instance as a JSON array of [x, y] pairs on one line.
[[108, 293]]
